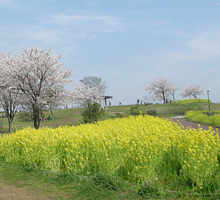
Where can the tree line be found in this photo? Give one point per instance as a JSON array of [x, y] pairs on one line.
[[34, 80], [164, 90]]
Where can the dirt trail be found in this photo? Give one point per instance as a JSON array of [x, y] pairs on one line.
[[10, 192]]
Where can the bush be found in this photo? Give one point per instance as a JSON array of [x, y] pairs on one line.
[[211, 118], [134, 107], [148, 192], [152, 112], [209, 113], [92, 112], [106, 181], [28, 116], [25, 116], [119, 115], [135, 112]]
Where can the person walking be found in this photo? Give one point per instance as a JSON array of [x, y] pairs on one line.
[[120, 103]]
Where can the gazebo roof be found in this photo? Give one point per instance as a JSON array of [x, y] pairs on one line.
[[107, 97]]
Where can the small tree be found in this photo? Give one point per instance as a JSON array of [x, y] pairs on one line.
[[9, 101], [9, 97], [92, 112], [161, 89], [192, 90]]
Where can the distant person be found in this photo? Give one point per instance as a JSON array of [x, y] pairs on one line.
[[109, 103], [120, 103], [138, 101]]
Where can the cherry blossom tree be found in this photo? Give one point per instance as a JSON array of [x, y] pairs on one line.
[[60, 97], [9, 98], [38, 75], [192, 90], [89, 97], [161, 89], [83, 94], [93, 81], [9, 101]]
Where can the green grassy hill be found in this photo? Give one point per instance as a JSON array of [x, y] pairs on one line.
[[73, 115]]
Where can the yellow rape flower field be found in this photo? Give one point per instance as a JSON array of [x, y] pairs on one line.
[[135, 149]]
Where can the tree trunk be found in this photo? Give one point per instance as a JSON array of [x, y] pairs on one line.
[[10, 116], [9, 125], [36, 117], [164, 98], [51, 113]]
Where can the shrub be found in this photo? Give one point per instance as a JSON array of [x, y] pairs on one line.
[[148, 192], [106, 181], [119, 115], [135, 112], [92, 112], [211, 118], [152, 112], [25, 116], [134, 107], [28, 116]]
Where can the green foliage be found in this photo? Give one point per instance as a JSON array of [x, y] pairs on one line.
[[185, 101], [92, 112], [148, 192], [119, 115], [134, 107], [152, 112], [106, 181], [211, 118], [71, 116], [25, 116], [135, 112], [211, 113], [28, 116]]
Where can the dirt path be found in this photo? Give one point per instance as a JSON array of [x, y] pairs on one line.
[[10, 192]]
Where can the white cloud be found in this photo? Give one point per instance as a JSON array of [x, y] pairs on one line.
[[204, 47], [85, 22]]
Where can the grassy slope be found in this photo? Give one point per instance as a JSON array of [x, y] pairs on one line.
[[72, 116]]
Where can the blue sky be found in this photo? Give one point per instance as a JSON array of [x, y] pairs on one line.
[[126, 42]]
